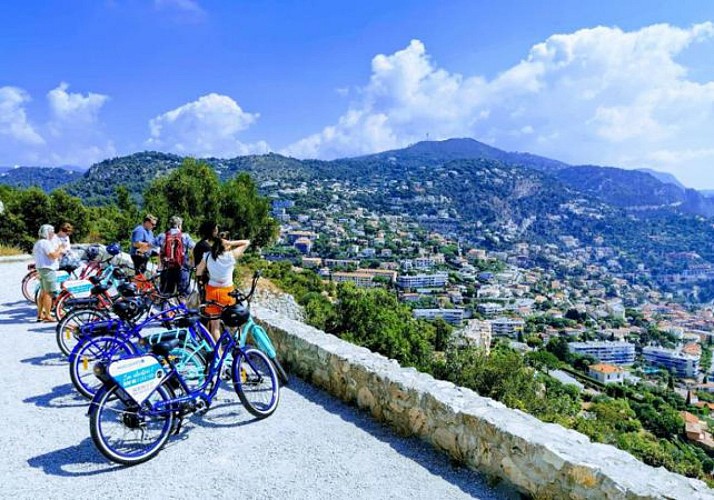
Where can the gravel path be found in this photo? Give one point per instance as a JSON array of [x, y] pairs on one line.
[[312, 447]]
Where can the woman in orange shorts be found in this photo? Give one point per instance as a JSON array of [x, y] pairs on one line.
[[220, 263]]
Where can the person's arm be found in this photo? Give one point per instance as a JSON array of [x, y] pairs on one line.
[[58, 252], [201, 268], [237, 247]]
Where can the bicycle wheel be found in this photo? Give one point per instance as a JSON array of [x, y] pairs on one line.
[[128, 433], [256, 382], [58, 306], [68, 333], [191, 365], [86, 353], [29, 283]]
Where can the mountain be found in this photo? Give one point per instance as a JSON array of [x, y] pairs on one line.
[[665, 177], [464, 149], [46, 179], [635, 190], [99, 183]]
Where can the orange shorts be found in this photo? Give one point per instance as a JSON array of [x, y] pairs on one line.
[[220, 295]]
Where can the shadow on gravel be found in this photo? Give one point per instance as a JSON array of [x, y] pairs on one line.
[[47, 359], [73, 461], [470, 482], [61, 396], [17, 303], [224, 413], [21, 315]]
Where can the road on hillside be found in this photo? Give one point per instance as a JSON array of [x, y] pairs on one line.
[[313, 447]]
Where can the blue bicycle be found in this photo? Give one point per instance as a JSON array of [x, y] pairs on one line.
[[145, 398], [106, 340]]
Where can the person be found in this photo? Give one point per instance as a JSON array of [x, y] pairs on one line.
[[208, 232], [47, 252], [175, 258], [62, 234], [142, 243], [69, 261], [220, 263]]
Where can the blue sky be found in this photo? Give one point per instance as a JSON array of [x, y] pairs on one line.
[[627, 84]]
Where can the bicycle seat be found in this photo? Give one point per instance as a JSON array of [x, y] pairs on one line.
[[99, 289], [164, 348], [95, 280], [188, 320]]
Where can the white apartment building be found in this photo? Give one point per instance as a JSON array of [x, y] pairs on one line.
[[618, 353], [453, 316], [506, 327], [436, 280], [685, 365]]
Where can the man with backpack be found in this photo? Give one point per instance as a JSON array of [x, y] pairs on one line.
[[174, 252]]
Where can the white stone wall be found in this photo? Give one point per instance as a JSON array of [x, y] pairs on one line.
[[543, 460]]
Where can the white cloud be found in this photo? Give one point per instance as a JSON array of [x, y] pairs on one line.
[[208, 126], [599, 95], [73, 135], [14, 125], [75, 108]]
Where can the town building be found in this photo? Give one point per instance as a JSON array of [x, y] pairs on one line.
[[618, 353], [506, 327], [684, 365], [452, 316], [436, 280], [606, 373]]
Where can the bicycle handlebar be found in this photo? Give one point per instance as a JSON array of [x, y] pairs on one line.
[[238, 295]]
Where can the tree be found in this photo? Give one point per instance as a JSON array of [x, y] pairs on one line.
[[246, 214], [192, 192]]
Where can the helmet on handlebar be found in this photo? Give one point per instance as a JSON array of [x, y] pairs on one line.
[[236, 315], [91, 253], [127, 309], [127, 289], [113, 249]]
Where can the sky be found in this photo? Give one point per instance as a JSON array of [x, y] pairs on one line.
[[614, 83]]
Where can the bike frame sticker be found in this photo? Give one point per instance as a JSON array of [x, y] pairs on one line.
[[137, 376], [78, 288]]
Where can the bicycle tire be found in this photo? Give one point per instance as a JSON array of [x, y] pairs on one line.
[[67, 330], [29, 284], [58, 305], [114, 426], [86, 353], [191, 365], [255, 382]]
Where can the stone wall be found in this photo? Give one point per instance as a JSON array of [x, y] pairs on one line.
[[544, 460]]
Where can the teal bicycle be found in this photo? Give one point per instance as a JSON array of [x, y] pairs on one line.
[[249, 329]]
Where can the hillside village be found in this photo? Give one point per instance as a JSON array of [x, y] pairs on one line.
[[619, 323]]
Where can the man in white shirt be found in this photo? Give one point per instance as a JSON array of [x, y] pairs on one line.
[[47, 252]]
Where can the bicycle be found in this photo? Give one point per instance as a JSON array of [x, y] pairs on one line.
[[137, 409], [250, 327], [31, 281], [88, 310], [110, 339]]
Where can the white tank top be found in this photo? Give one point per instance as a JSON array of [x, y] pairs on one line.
[[220, 270]]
